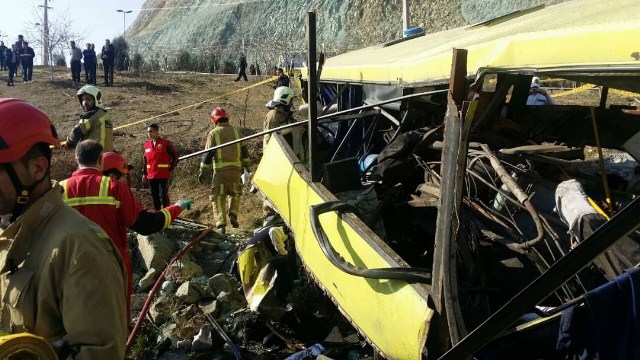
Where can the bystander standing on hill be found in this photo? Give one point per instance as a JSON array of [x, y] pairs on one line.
[[3, 55], [12, 59], [19, 48], [76, 57], [27, 56], [108, 56], [89, 56]]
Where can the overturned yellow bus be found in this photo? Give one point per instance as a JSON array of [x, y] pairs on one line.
[[452, 218]]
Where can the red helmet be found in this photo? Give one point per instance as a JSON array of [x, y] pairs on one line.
[[217, 114], [23, 125], [112, 160]]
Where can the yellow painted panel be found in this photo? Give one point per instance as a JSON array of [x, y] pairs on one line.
[[393, 315], [570, 34]]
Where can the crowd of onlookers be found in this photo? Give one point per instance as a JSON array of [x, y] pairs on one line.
[[20, 55]]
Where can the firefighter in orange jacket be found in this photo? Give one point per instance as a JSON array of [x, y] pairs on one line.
[[227, 165], [160, 158], [98, 191]]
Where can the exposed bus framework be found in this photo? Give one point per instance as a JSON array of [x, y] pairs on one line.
[[582, 40]]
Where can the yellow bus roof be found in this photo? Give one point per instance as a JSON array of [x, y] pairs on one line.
[[579, 33]]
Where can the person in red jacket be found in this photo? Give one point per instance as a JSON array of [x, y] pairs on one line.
[[98, 191], [160, 158]]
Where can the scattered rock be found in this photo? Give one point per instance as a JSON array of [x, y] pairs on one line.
[[156, 250], [192, 291], [202, 341], [210, 307], [147, 281], [187, 269]]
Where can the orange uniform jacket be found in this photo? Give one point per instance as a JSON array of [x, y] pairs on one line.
[[112, 205], [160, 159]]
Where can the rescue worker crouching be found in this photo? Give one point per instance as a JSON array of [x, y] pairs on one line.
[[95, 124], [98, 191], [61, 277], [227, 165]]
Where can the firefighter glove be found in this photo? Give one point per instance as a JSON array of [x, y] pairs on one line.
[[184, 204], [200, 177]]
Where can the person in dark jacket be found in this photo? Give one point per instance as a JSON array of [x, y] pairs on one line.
[[108, 61], [19, 48], [27, 56], [12, 59], [242, 68], [89, 56], [3, 55], [283, 80]]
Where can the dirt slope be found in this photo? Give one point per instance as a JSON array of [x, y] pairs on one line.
[[135, 102]]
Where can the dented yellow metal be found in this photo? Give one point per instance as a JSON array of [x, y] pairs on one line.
[[392, 315]]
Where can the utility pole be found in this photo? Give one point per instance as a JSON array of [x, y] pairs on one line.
[[45, 33], [405, 14]]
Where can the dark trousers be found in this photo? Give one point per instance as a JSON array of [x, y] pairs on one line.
[[27, 71], [3, 65], [12, 71], [90, 73], [159, 192], [75, 70], [108, 73], [242, 73]]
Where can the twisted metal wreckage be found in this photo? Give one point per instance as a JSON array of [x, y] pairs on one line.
[[442, 215]]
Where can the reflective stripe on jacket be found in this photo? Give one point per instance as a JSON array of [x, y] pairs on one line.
[[62, 277], [96, 127], [232, 156], [159, 159]]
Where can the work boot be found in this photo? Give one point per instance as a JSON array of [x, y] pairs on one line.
[[222, 229], [233, 219]]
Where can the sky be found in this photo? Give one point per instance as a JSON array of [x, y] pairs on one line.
[[97, 20]]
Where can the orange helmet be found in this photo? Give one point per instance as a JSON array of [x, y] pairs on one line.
[[23, 125], [112, 160], [217, 114]]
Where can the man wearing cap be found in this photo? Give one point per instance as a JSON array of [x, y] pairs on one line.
[[61, 277], [537, 95], [97, 191]]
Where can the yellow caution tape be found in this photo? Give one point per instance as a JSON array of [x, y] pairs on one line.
[[624, 93], [574, 91], [26, 346], [196, 104]]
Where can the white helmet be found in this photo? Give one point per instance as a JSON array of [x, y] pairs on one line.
[[282, 96], [535, 82], [93, 91]]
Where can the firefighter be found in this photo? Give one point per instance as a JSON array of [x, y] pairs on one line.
[[159, 160], [279, 112], [61, 277], [227, 166], [95, 124], [98, 190]]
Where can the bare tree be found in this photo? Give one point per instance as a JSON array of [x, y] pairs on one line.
[[60, 32]]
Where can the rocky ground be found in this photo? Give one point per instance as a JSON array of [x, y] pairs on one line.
[[203, 282]]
